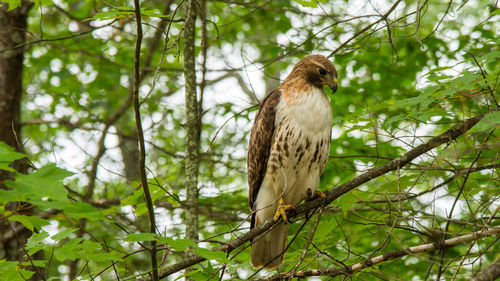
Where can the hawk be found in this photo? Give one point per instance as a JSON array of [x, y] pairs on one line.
[[288, 150]]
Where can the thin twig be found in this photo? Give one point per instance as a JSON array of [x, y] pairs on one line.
[[460, 191], [140, 135], [483, 73], [382, 18], [309, 240]]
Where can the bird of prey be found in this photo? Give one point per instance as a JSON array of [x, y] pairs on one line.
[[288, 150]]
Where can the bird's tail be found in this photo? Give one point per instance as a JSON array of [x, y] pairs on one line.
[[268, 250]]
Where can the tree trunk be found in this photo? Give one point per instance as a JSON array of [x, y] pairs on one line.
[[130, 153], [192, 123], [13, 236], [12, 34]]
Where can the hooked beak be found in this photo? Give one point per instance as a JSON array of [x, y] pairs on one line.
[[333, 84]]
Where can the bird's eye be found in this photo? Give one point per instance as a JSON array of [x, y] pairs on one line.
[[322, 72]]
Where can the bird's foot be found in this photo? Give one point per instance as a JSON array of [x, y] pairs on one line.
[[281, 210], [314, 195]]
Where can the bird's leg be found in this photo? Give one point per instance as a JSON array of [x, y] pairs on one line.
[[314, 195], [281, 210]]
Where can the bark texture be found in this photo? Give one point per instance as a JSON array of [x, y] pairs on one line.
[[130, 153], [13, 23], [192, 123], [12, 37], [490, 273], [192, 126]]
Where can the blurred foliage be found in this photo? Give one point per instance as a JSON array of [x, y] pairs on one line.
[[403, 79]]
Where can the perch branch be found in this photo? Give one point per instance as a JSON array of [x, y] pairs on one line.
[[333, 194]]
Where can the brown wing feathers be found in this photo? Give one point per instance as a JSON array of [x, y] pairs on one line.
[[259, 147]]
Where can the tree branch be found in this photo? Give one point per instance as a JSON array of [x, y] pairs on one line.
[[490, 273], [458, 173], [399, 162], [140, 135], [349, 270], [382, 18]]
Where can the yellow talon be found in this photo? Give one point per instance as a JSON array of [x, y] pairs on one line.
[[314, 195], [319, 194], [281, 210]]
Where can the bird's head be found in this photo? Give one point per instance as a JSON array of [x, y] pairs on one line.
[[317, 70]]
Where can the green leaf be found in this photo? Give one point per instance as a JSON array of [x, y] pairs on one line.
[[307, 3], [12, 4], [212, 255], [111, 15], [7, 156], [7, 265], [81, 210], [38, 263], [11, 195], [30, 222], [421, 116], [423, 99], [177, 244], [141, 209], [156, 192], [76, 249], [324, 229], [490, 121], [437, 69], [393, 119], [135, 198], [36, 238], [43, 185], [347, 202], [152, 13], [12, 271], [495, 12], [35, 242], [104, 257], [133, 237], [69, 251], [64, 233], [38, 3], [491, 56], [79, 248]]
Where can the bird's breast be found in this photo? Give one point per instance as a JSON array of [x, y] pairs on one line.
[[303, 129], [309, 111], [301, 144]]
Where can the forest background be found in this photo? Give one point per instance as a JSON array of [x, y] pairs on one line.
[[124, 128]]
